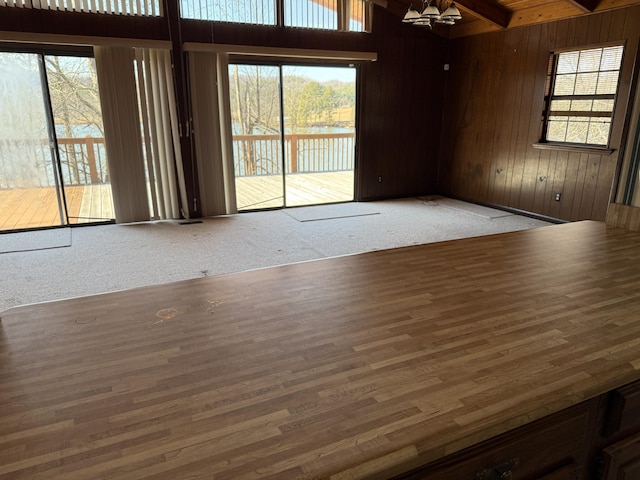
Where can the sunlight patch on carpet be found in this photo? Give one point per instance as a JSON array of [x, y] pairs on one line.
[[35, 240], [328, 212]]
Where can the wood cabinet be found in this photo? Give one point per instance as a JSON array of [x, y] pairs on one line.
[[621, 461], [595, 440], [552, 448], [620, 455]]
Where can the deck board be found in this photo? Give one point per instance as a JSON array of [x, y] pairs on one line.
[[343, 368], [301, 189], [38, 207]]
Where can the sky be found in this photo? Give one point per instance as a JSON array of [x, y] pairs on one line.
[[323, 74]]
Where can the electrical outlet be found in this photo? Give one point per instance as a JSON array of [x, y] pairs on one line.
[[379, 179], [558, 196]]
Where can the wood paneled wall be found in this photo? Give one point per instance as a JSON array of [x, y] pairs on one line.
[[492, 116], [400, 114]]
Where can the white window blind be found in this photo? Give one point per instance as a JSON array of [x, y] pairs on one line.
[[147, 8], [255, 12], [321, 14]]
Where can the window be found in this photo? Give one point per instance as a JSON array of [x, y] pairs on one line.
[[260, 12], [342, 15], [321, 14], [580, 96]]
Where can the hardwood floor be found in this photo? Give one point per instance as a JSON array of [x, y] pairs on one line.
[[352, 367]]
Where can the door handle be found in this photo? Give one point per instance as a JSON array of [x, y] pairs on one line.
[[499, 472]]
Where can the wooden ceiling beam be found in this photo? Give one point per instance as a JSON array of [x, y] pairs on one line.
[[586, 6], [487, 11]]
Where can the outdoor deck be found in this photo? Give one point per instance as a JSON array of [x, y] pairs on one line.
[[38, 207], [302, 189]]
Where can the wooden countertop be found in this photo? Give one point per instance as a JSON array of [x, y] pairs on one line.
[[353, 367]]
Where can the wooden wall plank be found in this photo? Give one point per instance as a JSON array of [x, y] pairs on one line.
[[579, 187], [502, 135], [513, 165], [530, 110]]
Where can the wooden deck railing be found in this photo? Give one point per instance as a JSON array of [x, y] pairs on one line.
[[83, 162], [84, 159], [306, 153]]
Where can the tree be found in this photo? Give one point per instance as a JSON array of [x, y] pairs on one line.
[[255, 109], [73, 86], [75, 102], [25, 160]]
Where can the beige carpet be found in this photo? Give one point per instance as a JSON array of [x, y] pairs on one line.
[[330, 212], [116, 257], [35, 240]]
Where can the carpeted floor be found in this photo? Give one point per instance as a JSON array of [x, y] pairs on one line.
[[35, 240], [117, 257]]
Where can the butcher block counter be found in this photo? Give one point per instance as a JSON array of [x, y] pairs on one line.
[[363, 366]]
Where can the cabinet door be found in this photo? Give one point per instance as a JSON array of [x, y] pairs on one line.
[[622, 460], [624, 409]]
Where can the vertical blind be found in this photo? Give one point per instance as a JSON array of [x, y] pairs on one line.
[[141, 133], [116, 80], [113, 7], [208, 72]]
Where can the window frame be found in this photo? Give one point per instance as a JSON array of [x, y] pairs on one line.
[[549, 97]]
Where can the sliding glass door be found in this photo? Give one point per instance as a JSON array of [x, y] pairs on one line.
[[293, 134], [53, 167], [257, 135]]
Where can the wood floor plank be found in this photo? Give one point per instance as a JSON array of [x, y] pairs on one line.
[[338, 368]]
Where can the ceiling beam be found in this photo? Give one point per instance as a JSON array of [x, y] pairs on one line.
[[487, 11], [586, 6]]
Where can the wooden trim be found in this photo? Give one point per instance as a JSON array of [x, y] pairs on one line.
[[617, 43], [280, 52], [586, 6], [489, 12], [59, 39], [586, 113], [573, 148], [623, 216]]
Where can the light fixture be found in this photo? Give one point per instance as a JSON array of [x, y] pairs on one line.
[[433, 11]]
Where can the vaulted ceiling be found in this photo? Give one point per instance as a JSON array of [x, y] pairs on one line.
[[480, 16]]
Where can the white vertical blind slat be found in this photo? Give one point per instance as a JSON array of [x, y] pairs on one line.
[[175, 133], [168, 177], [148, 141]]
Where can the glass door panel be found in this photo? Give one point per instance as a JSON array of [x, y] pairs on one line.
[[254, 92], [29, 193], [319, 111], [75, 101]]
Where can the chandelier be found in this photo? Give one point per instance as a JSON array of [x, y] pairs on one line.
[[435, 11]]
